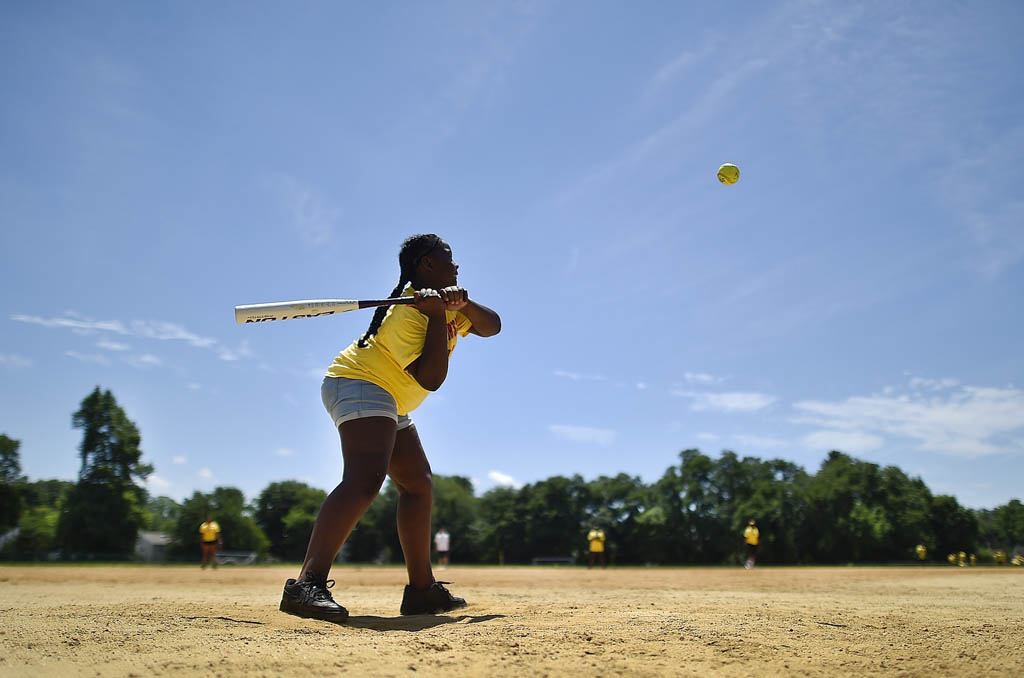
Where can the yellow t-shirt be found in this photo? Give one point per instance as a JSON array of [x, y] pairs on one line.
[[596, 538], [398, 342], [751, 535], [210, 531]]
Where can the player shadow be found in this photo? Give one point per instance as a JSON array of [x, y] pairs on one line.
[[417, 622]]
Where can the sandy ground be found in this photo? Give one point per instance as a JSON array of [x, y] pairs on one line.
[[522, 621]]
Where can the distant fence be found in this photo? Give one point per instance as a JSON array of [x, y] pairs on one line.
[[553, 560], [236, 557]]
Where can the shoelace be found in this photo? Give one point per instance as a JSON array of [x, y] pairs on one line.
[[320, 591], [440, 585]]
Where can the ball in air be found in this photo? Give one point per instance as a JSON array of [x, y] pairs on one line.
[[728, 173]]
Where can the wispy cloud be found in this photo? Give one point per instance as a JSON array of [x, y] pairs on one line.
[[710, 437], [763, 442], [284, 452], [737, 401], [144, 361], [583, 434], [853, 442], [673, 71], [143, 329], [94, 358], [14, 361], [310, 216], [577, 376], [112, 345], [962, 421], [504, 480], [155, 482], [702, 378], [178, 460], [205, 473]]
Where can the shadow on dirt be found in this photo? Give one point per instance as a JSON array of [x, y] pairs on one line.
[[417, 622]]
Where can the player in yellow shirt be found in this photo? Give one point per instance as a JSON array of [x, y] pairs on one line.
[[369, 391], [209, 540], [596, 539], [751, 537]]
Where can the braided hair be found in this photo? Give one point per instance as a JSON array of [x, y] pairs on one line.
[[413, 250]]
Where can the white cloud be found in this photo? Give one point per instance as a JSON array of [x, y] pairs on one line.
[[919, 383], [155, 482], [284, 452], [14, 361], [855, 442], [144, 329], [758, 441], [504, 480], [93, 358], [737, 401], [576, 376], [711, 437], [309, 215], [675, 68], [144, 361], [702, 378], [583, 434], [205, 473], [963, 421], [641, 386], [194, 386], [112, 345], [178, 460]]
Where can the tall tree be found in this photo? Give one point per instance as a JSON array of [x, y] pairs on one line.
[[286, 512], [11, 481], [106, 508]]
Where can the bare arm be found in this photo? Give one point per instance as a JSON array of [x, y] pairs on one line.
[[431, 368], [486, 323]]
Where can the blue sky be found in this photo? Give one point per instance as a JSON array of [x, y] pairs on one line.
[[859, 289]]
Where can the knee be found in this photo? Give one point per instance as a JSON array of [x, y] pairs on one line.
[[418, 484], [366, 486]]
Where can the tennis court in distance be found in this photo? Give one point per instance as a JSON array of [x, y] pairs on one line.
[[522, 621]]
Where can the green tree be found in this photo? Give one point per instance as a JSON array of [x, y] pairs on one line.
[[955, 527], [11, 482], [162, 514], [49, 493], [554, 516], [106, 508], [499, 525], [1005, 525], [37, 533], [286, 511]]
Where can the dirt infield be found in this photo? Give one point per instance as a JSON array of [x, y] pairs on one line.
[[522, 621]]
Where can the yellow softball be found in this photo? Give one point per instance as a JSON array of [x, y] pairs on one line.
[[728, 173]]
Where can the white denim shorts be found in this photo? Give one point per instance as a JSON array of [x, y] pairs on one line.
[[348, 399]]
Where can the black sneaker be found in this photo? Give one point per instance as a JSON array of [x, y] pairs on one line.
[[311, 599], [436, 598]]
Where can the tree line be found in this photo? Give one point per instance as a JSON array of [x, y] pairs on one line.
[[849, 510]]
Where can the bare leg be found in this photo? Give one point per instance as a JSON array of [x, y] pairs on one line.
[[410, 471], [366, 445]]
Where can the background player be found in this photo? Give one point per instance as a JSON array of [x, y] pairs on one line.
[[209, 540], [596, 539], [751, 536]]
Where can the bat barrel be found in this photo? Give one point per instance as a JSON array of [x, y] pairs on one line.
[[308, 308]]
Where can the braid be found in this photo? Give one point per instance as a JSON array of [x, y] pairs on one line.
[[413, 249]]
